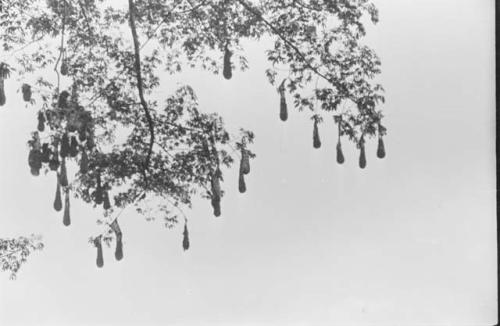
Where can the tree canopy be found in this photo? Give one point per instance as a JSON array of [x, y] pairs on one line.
[[89, 68]]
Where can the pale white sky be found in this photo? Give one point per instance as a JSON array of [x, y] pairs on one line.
[[410, 240]]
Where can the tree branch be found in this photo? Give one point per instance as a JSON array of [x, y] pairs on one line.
[[96, 96], [182, 168], [139, 196], [258, 14], [61, 49], [139, 85]]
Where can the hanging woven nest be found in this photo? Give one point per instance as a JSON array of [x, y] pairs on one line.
[[283, 106], [227, 69], [4, 74], [41, 121], [340, 154], [57, 200], [26, 90], [119, 245], [100, 258], [380, 148], [185, 238], [66, 217], [362, 156]]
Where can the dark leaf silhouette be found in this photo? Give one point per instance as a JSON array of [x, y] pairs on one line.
[[316, 140], [242, 187]]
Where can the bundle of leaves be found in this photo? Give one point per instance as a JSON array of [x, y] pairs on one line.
[[15, 251]]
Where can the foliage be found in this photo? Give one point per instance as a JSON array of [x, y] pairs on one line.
[[134, 149], [14, 252]]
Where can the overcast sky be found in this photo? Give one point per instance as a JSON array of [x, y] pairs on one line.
[[410, 240]]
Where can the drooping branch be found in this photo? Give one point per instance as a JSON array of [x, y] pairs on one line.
[[138, 74]]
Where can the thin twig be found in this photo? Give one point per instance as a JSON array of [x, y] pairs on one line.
[[11, 253], [178, 208], [259, 15]]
